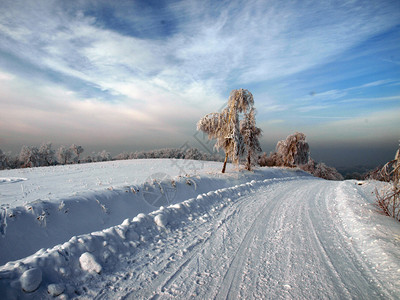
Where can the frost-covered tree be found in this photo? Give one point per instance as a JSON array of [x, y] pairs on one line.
[[100, 156], [77, 150], [105, 156], [29, 157], [8, 161], [64, 155], [250, 133], [46, 154], [294, 150], [225, 126], [122, 156], [3, 160]]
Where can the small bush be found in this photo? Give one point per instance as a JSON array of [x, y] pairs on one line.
[[389, 198]]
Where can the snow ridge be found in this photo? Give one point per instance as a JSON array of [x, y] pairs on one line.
[[46, 223]]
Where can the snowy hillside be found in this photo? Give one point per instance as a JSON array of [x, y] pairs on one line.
[[179, 229]]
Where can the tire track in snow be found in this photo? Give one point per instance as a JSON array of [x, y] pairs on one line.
[[197, 252], [159, 285], [229, 285], [350, 270], [293, 246]]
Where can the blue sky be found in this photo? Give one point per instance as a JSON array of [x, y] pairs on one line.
[[132, 75]]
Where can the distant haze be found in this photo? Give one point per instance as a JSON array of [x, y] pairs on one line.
[[340, 155]]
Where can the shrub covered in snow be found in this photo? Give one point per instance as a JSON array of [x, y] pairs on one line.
[[389, 198], [295, 151], [321, 170]]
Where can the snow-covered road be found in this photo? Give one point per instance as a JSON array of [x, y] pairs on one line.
[[286, 240], [269, 234]]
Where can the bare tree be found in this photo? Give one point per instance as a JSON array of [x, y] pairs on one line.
[[250, 133], [225, 126]]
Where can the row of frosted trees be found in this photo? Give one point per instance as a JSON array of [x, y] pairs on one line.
[[45, 155]]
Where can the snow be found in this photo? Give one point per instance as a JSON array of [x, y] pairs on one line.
[[55, 289], [21, 186], [376, 235], [161, 220], [78, 205], [89, 263], [31, 279], [11, 179], [272, 233]]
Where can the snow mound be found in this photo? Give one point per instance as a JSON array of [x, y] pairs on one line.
[[55, 289], [12, 179], [31, 279], [89, 263], [161, 220]]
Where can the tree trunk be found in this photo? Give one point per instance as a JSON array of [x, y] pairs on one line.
[[226, 159], [249, 161]]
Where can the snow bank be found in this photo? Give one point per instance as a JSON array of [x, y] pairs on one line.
[[67, 266], [45, 223], [374, 234]]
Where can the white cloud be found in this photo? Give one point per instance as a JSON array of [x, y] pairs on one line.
[[372, 99], [243, 43]]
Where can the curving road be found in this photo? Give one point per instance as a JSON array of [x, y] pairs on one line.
[[283, 241]]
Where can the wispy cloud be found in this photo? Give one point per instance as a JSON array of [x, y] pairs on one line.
[[243, 43], [342, 93], [372, 99]]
